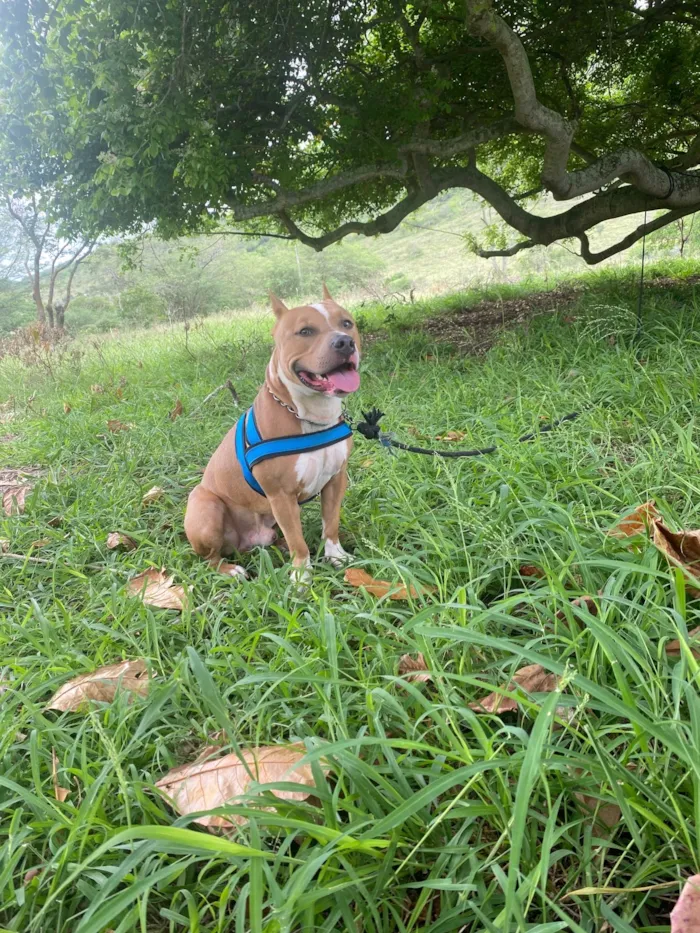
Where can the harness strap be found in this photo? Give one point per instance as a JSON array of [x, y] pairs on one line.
[[251, 449]]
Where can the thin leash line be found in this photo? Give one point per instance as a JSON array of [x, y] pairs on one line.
[[369, 428]]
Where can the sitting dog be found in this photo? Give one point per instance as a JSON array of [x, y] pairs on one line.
[[291, 445]]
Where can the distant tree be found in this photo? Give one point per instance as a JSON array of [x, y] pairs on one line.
[[324, 117], [44, 256]]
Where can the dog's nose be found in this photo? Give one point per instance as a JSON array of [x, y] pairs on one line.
[[344, 344]]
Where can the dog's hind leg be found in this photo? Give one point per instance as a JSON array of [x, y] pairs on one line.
[[210, 532]]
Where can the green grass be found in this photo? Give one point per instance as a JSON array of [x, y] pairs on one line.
[[430, 816]]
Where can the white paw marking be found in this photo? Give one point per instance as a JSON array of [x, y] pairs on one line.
[[335, 553], [301, 576], [236, 571]]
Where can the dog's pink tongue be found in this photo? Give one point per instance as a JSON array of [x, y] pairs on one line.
[[344, 380]]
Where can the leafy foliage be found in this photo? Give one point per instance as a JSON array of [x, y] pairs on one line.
[[178, 114]]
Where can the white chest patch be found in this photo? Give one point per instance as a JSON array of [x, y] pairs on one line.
[[315, 469]]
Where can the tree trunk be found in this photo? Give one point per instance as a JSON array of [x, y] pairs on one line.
[[36, 295], [49, 314], [60, 309]]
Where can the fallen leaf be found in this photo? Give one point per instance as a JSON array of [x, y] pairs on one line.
[[153, 495], [205, 785], [586, 601], [156, 588], [4, 545], [451, 436], [119, 393], [360, 578], [13, 496], [10, 403], [532, 678], [685, 916], [673, 648], [60, 793], [115, 426], [101, 685], [636, 523], [67, 409], [606, 814], [31, 875], [530, 570], [42, 542], [140, 364], [681, 548], [55, 522], [118, 540], [6, 417], [414, 670], [367, 463], [177, 411], [568, 319], [97, 389]]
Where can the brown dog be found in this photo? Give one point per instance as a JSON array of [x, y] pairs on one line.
[[314, 365]]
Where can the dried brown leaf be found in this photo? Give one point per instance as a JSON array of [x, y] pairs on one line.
[[4, 545], [153, 495], [205, 785], [531, 570], [685, 916], [31, 875], [357, 577], [681, 548], [60, 793], [414, 670], [451, 436], [101, 685], [587, 601], [607, 815], [156, 588], [673, 648], [636, 523], [13, 496], [532, 678], [177, 410], [67, 409], [116, 539], [115, 426], [97, 389], [42, 542]]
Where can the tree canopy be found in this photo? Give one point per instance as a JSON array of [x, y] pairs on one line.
[[322, 118]]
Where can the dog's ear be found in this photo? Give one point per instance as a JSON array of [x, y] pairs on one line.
[[326, 294], [278, 306]]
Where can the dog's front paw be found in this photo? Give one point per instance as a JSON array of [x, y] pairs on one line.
[[301, 575], [336, 553], [233, 570]]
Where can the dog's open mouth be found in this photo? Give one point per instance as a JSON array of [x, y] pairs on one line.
[[340, 381]]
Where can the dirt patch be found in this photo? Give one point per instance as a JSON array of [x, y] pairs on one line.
[[475, 329]]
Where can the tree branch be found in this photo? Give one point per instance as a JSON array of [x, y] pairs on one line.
[[679, 190], [657, 224], [442, 148], [508, 251]]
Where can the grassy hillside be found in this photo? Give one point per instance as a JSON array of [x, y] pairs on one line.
[[425, 256], [427, 814]]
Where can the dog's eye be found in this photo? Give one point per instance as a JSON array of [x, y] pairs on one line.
[[347, 324], [306, 332]]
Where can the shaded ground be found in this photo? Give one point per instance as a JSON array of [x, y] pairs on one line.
[[475, 328]]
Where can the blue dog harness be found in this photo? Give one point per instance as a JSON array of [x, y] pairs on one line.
[[251, 449]]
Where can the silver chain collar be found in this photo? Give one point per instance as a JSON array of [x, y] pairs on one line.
[[293, 411]]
